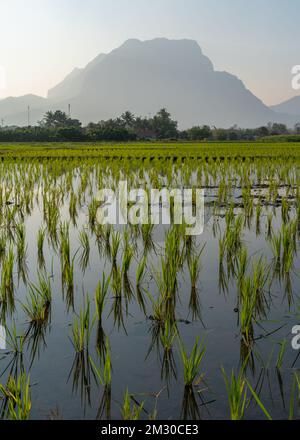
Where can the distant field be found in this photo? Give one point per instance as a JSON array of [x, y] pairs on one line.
[[146, 150]]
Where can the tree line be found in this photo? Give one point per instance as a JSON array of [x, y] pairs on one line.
[[56, 126]]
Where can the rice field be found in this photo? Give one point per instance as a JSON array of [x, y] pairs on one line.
[[144, 321]]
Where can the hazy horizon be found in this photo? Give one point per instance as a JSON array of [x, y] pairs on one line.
[[42, 40]]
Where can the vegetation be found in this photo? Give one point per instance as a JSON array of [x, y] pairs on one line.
[[56, 126], [148, 286]]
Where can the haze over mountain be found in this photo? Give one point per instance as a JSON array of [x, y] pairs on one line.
[[13, 110], [145, 76], [291, 106], [72, 84]]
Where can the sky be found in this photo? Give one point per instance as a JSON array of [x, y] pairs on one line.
[[41, 41]]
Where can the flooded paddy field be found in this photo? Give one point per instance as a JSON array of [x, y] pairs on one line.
[[143, 321]]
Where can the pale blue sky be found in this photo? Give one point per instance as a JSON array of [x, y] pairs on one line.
[[43, 40]]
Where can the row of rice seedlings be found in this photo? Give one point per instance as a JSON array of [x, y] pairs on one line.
[[247, 172]]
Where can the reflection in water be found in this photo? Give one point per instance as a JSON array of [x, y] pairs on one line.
[[155, 277], [82, 373], [189, 407]]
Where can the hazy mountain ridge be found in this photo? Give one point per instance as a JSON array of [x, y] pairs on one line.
[[291, 106], [145, 76], [72, 84]]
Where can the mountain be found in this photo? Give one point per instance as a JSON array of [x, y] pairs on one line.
[[13, 110], [291, 107], [144, 77], [72, 84]]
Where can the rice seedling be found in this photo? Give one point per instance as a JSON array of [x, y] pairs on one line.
[[242, 265], [16, 398], [247, 312], [100, 296], [81, 328], [192, 363], [258, 215], [73, 208], [104, 376], [14, 354], [140, 272], [7, 281], [281, 353], [167, 335], [85, 245], [64, 245], [289, 246], [21, 250], [285, 208], [40, 245], [276, 243], [93, 208], [236, 387], [2, 246], [258, 401], [38, 303], [162, 309], [147, 232], [127, 258], [194, 266], [130, 411], [269, 224], [115, 244], [190, 408], [140, 275], [116, 284], [260, 277], [295, 392], [82, 373]]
